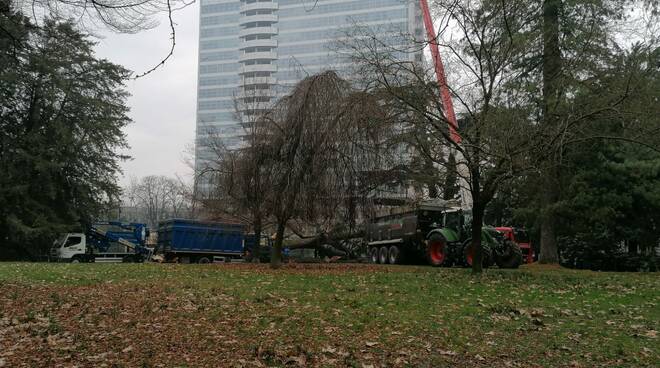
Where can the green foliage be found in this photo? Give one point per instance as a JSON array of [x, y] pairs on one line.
[[611, 205], [61, 117]]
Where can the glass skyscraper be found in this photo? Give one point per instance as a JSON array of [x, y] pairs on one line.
[[252, 50]]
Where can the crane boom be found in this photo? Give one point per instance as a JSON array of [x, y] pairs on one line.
[[445, 96], [448, 106]]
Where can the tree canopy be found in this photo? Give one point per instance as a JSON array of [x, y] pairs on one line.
[[62, 111]]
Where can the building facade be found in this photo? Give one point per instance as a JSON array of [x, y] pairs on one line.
[[252, 51]]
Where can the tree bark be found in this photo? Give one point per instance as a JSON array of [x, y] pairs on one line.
[[548, 253], [477, 225], [449, 186], [276, 253], [551, 94], [477, 220], [256, 251]]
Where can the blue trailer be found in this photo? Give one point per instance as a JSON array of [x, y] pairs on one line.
[[192, 241]]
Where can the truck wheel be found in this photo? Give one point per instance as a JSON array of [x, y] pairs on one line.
[[127, 259], [203, 260], [436, 249], [394, 255], [383, 255], [468, 254], [75, 260], [373, 255], [511, 256]]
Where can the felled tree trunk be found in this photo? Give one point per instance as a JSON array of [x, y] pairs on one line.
[[329, 243]]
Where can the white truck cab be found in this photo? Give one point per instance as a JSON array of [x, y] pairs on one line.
[[77, 247], [70, 247]]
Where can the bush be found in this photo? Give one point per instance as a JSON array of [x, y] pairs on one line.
[[603, 254]]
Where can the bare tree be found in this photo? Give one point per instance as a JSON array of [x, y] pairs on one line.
[[122, 16], [155, 198], [496, 131], [240, 177]]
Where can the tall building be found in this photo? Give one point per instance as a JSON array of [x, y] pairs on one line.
[[251, 51]]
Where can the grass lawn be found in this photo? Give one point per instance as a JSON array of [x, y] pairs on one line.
[[165, 315]]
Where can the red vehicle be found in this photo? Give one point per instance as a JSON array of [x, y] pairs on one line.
[[520, 237]]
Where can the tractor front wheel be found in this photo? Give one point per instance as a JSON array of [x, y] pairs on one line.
[[511, 256], [436, 249]]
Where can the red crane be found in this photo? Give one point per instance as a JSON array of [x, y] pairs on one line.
[[440, 72]]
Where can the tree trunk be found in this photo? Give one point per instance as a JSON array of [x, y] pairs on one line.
[[449, 186], [477, 224], [549, 253], [551, 94], [276, 254], [477, 219], [256, 250]]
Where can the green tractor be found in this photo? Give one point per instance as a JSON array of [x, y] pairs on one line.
[[437, 233]]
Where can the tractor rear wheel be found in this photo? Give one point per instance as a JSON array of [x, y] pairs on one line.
[[468, 254], [394, 255], [436, 249], [511, 256], [373, 255], [383, 255]]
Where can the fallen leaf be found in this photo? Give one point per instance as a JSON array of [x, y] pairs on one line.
[[300, 360], [651, 334], [329, 350]]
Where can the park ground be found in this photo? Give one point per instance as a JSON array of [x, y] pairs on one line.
[[241, 315]]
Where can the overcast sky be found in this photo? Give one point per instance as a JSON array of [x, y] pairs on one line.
[[162, 103]]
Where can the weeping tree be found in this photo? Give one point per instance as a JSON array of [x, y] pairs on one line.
[[306, 164], [323, 144]]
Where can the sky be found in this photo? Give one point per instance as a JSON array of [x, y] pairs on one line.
[[162, 103]]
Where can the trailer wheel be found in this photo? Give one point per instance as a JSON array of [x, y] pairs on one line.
[[383, 255], [127, 259], [436, 249], [394, 255], [373, 254], [203, 260]]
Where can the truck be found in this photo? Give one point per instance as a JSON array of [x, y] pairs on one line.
[[194, 241], [110, 241], [437, 233]]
